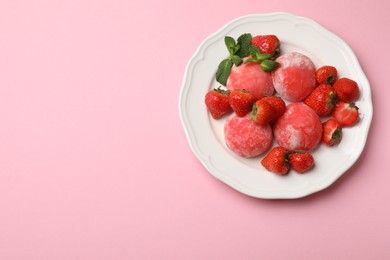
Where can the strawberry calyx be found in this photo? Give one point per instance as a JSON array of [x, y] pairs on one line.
[[332, 132], [286, 158], [242, 90], [332, 100], [336, 136], [330, 79], [276, 51], [222, 91], [326, 74], [262, 112], [353, 105], [253, 114]]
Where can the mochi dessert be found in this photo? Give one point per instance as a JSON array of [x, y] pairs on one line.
[[298, 129], [295, 78], [252, 78], [246, 138]]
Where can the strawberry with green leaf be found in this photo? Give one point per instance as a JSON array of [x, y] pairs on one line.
[[262, 112], [322, 99], [347, 114], [326, 74], [241, 101], [277, 161], [278, 105], [268, 44], [332, 132], [217, 102]]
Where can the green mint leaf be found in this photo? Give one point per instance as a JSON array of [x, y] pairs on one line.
[[256, 55], [236, 60], [261, 57], [223, 71], [230, 44], [245, 41], [236, 48], [233, 50], [269, 65], [250, 60], [254, 50]]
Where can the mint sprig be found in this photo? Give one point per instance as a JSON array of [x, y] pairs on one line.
[[268, 65], [245, 41], [263, 59], [223, 71], [237, 51]]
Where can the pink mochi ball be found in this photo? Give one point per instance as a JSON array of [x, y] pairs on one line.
[[252, 78], [246, 138], [294, 79], [298, 129]]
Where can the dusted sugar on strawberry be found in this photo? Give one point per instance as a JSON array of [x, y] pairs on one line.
[[295, 78], [246, 138], [252, 78], [299, 128]]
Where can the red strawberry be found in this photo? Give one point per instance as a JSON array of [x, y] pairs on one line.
[[301, 162], [241, 101], [326, 74], [332, 132], [268, 44], [278, 105], [217, 102], [346, 113], [262, 112], [276, 161], [347, 90], [322, 99]]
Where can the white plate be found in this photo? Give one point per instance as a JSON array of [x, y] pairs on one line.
[[205, 135]]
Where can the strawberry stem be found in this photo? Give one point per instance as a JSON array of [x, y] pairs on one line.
[[336, 136], [222, 91], [253, 114], [330, 79]]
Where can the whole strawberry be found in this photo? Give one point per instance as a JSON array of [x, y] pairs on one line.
[[301, 162], [322, 100], [347, 114], [347, 90], [262, 112], [326, 74], [276, 161], [277, 104], [268, 44], [332, 132], [217, 102], [241, 101]]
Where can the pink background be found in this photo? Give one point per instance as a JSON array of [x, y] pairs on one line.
[[94, 162]]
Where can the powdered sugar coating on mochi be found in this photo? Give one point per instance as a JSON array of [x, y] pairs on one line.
[[294, 79], [299, 128], [246, 138], [252, 78]]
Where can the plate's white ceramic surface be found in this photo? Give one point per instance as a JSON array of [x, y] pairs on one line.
[[205, 135]]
